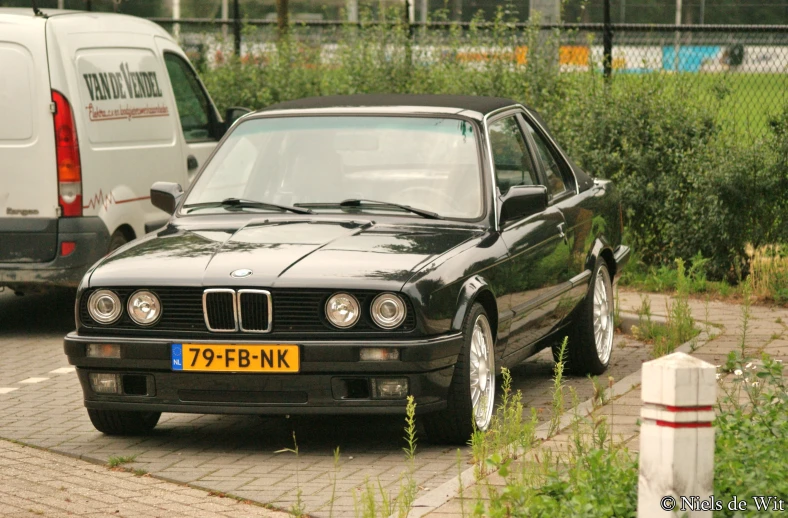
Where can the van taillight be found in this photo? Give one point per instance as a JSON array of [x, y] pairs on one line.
[[69, 169]]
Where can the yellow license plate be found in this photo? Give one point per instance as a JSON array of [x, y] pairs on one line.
[[235, 358]]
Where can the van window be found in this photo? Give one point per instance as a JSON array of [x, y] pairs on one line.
[[193, 107], [16, 92]]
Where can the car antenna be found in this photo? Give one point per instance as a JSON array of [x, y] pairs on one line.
[[36, 10]]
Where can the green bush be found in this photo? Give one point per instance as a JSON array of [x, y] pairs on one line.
[[690, 185]]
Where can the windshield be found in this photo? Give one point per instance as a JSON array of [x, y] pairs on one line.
[[426, 163]]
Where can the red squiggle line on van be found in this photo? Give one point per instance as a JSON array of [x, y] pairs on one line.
[[109, 199]]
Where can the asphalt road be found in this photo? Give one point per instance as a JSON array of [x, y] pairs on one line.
[[41, 405]]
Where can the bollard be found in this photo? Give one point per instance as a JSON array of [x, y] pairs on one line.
[[677, 437]]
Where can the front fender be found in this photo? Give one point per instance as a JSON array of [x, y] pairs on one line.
[[468, 294]]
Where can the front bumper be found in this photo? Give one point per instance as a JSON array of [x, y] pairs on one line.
[[321, 387], [91, 238]]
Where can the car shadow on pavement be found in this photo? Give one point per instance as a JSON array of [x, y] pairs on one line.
[[50, 312]]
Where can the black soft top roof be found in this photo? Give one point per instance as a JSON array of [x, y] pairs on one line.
[[481, 105]]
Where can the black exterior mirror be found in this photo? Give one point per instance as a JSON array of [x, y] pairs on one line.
[[232, 114], [521, 201], [165, 196]]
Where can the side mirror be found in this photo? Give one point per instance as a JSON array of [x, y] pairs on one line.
[[523, 200], [232, 114], [165, 196]]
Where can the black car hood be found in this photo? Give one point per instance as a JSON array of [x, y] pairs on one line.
[[280, 253]]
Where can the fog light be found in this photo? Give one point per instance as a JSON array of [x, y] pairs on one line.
[[104, 383], [103, 351], [378, 354], [390, 388]]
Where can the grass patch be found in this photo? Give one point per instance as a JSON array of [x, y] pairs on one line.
[[117, 461]]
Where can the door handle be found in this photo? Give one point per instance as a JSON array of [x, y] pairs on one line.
[[562, 233], [191, 163]]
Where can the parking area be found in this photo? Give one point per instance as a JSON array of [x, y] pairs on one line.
[[41, 405]]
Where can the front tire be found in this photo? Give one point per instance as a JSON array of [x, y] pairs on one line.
[[120, 422], [472, 391], [591, 340], [117, 240]]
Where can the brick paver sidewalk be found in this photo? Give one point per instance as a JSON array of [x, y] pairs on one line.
[[766, 331], [35, 482]]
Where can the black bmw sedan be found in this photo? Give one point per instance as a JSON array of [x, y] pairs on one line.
[[338, 254]]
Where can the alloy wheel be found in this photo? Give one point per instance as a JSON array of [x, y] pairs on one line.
[[603, 316], [482, 373]]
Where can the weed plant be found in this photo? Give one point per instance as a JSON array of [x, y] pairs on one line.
[[116, 461], [752, 433], [680, 325]]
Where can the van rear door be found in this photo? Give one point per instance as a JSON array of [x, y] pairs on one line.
[[125, 115], [28, 175]]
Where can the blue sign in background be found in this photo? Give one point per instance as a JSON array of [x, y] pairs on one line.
[[691, 57], [177, 357]]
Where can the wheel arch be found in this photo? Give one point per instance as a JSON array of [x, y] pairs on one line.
[[127, 232], [476, 289], [602, 249]]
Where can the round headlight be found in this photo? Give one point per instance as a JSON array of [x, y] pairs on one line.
[[104, 306], [342, 310], [388, 310], [144, 308]]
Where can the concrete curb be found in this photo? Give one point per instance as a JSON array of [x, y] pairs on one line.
[[435, 498]]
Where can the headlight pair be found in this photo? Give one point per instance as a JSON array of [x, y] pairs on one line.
[[387, 310], [143, 307]]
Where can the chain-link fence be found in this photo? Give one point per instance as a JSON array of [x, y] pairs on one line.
[[740, 71]]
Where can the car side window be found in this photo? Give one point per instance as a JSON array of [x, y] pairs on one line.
[[513, 165], [193, 105], [552, 168]]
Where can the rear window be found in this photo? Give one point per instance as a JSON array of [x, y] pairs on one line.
[[17, 88], [123, 96]]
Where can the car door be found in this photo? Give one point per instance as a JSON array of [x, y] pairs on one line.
[[201, 127], [579, 230], [538, 253]]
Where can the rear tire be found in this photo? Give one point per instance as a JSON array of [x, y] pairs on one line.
[[472, 391], [123, 422], [590, 342]]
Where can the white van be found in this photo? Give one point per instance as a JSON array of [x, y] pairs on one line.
[[94, 108]]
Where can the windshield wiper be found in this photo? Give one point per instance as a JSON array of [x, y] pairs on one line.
[[355, 202], [233, 203]]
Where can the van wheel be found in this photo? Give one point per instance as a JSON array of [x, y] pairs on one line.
[[117, 240], [472, 390], [123, 422], [590, 342]]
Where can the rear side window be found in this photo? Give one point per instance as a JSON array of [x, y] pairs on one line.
[[16, 92], [552, 167], [513, 164], [193, 107]]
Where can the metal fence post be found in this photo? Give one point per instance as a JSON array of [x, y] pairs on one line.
[[676, 436], [607, 42], [237, 27]]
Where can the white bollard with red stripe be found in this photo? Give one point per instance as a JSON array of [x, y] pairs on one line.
[[677, 437]]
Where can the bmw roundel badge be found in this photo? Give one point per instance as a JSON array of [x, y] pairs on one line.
[[243, 272]]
